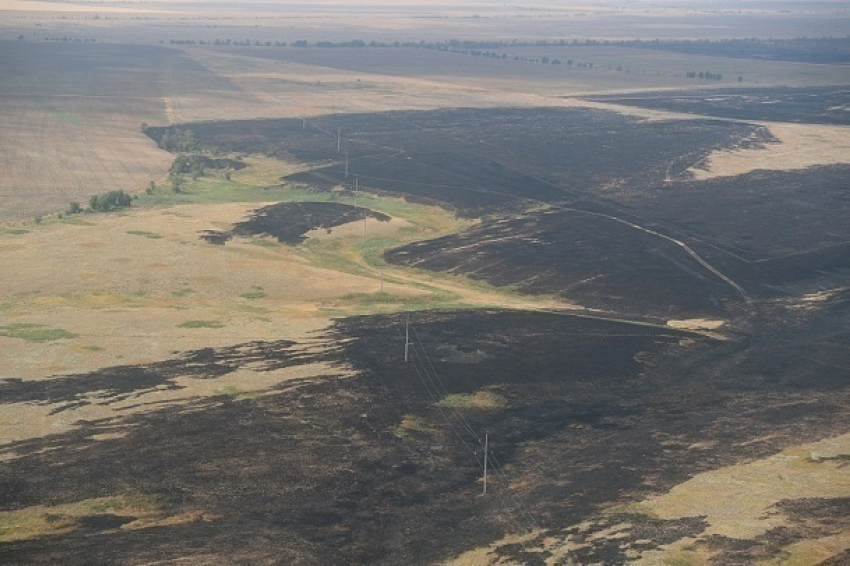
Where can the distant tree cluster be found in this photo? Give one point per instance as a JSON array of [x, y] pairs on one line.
[[707, 75], [804, 47], [113, 200], [192, 165], [66, 39], [824, 49], [178, 140], [473, 48]]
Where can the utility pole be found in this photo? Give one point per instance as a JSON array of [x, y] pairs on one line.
[[486, 450], [346, 164], [406, 336], [356, 189], [338, 139]]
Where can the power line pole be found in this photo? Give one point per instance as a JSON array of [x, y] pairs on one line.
[[486, 450], [338, 139], [346, 164], [357, 184], [406, 336]]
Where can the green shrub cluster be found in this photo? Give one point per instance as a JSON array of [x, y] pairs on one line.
[[113, 200], [179, 141]]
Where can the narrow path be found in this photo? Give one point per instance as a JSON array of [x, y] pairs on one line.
[[679, 243]]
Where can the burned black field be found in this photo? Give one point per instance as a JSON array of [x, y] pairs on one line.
[[289, 223], [767, 235], [381, 468], [813, 105], [483, 161]]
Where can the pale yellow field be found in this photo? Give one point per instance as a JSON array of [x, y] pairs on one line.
[[120, 281], [126, 285], [800, 146]]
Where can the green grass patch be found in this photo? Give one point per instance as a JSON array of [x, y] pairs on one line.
[[416, 426], [229, 390], [93, 348], [253, 309], [35, 332], [182, 292], [202, 324], [143, 233], [379, 298], [76, 220], [253, 295], [265, 242], [478, 400], [381, 302], [236, 393], [212, 190], [334, 254], [16, 231]]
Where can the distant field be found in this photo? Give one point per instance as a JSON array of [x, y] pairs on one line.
[[71, 121], [73, 111], [613, 68], [405, 20]]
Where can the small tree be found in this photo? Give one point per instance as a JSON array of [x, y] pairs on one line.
[[176, 184], [74, 208]]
